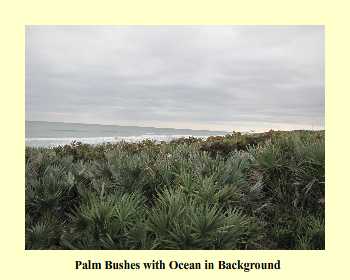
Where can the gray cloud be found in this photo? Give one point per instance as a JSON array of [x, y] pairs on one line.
[[212, 77]]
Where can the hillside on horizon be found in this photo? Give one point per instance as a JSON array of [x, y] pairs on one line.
[[51, 129]]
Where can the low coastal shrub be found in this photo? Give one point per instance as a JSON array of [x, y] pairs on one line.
[[239, 191]]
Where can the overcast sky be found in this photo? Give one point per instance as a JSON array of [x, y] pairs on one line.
[[199, 77]]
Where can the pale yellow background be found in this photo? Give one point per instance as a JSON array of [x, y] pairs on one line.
[[16, 263]]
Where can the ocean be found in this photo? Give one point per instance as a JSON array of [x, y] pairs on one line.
[[50, 134]]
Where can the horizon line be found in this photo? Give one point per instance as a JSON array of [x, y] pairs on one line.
[[132, 126]]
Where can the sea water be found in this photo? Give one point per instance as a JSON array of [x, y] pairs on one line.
[[48, 134]]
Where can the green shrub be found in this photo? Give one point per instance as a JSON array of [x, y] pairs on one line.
[[253, 191]]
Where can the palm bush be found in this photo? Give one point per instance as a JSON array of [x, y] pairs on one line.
[[112, 222], [256, 191], [179, 221]]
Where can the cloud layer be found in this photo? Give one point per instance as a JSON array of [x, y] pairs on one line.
[[200, 77]]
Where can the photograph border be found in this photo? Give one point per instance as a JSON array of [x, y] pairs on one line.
[[18, 262]]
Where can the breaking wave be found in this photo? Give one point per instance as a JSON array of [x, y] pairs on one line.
[[52, 142]]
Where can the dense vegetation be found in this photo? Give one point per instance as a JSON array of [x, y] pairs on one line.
[[256, 191]]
